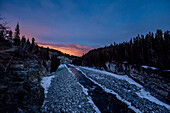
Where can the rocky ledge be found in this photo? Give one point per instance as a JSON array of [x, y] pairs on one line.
[[20, 75]]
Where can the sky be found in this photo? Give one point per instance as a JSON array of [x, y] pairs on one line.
[[86, 24]]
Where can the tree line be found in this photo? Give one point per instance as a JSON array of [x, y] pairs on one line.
[[151, 50], [14, 38]]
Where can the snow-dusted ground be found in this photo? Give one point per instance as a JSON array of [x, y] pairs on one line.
[[148, 67], [45, 82], [126, 89], [65, 94], [112, 92], [85, 90]]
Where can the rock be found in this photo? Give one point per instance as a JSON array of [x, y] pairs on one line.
[[20, 89], [155, 81], [67, 95]]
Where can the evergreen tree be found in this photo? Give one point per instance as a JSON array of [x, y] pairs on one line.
[[23, 42], [32, 46], [33, 41], [47, 54], [27, 45], [17, 36], [2, 33], [142, 50], [55, 62], [10, 36]]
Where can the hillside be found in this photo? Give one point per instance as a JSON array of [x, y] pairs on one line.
[[151, 50], [144, 59]]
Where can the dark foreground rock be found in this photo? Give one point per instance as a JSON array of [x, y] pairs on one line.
[[20, 89]]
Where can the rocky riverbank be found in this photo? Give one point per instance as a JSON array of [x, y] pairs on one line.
[[126, 90], [154, 80], [20, 75]]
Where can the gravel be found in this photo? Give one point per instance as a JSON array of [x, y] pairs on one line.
[[66, 95], [125, 90]]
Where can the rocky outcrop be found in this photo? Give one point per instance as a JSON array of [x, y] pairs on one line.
[[64, 60], [155, 81], [20, 75]]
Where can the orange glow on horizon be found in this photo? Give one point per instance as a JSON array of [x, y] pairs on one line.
[[71, 49]]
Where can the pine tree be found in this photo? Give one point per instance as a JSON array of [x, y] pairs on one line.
[[27, 45], [17, 36], [142, 50], [23, 42], [32, 46], [55, 62], [10, 36], [47, 54], [2, 33], [33, 41]]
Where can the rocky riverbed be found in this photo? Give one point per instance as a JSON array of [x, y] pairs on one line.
[[127, 90], [65, 94]]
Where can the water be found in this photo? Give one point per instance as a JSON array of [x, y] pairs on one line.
[[106, 102]]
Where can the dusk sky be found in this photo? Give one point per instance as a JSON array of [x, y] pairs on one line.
[[85, 24]]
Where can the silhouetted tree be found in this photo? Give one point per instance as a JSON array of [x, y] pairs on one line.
[[23, 42], [55, 62], [27, 45], [33, 41], [142, 50], [10, 36], [17, 36]]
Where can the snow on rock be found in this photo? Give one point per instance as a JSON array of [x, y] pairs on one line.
[[61, 66], [148, 67], [144, 94], [122, 77], [85, 90], [95, 74], [111, 66], [112, 92], [45, 82], [66, 95]]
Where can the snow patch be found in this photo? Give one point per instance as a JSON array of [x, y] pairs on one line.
[[148, 67], [45, 82], [144, 94], [112, 92], [61, 66], [122, 77], [85, 90], [166, 70]]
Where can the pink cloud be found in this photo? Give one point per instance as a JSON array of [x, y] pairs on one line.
[[72, 48]]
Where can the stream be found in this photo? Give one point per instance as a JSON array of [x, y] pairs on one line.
[[106, 102]]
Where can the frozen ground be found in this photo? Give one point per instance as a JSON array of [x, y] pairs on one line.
[[65, 94], [148, 67], [46, 82], [126, 90]]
